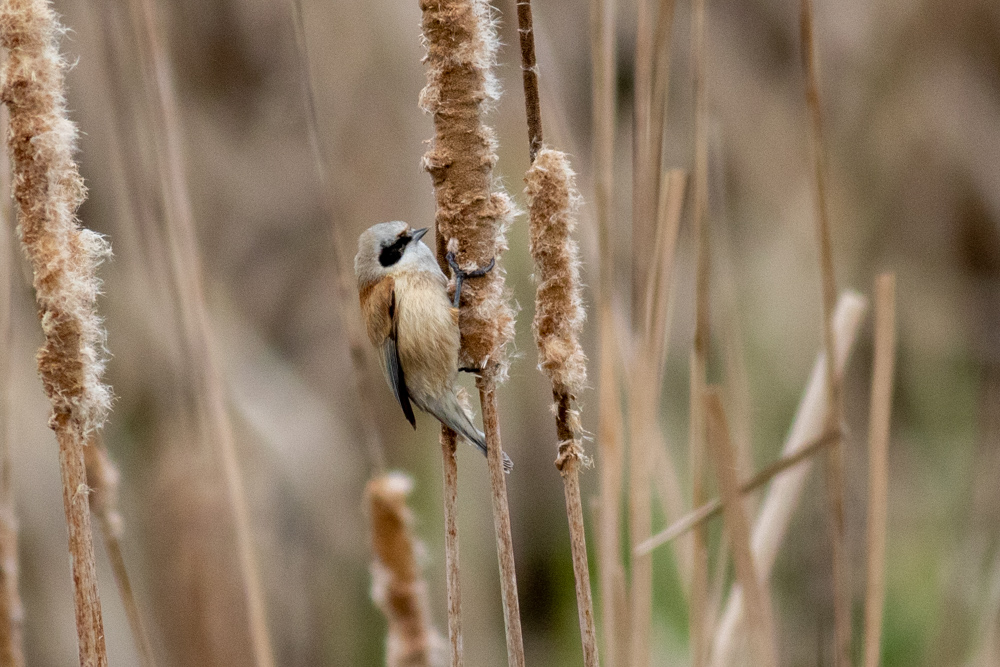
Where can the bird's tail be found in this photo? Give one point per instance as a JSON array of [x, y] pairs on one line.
[[450, 413]]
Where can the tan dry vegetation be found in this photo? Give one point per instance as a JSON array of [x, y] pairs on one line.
[[909, 101]]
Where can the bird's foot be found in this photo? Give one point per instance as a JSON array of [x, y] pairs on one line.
[[461, 275]]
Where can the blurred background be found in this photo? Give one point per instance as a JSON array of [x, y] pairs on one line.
[[911, 92]]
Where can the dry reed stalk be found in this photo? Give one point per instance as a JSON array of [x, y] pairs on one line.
[[878, 461], [346, 282], [64, 257], [715, 507], [215, 426], [11, 609], [612, 582], [645, 175], [449, 440], [835, 457], [809, 425], [662, 42], [552, 205], [471, 220], [757, 601], [529, 73], [103, 479], [611, 570], [397, 585], [646, 365], [699, 354]]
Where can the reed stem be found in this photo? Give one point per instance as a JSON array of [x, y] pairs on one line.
[[835, 457], [878, 462]]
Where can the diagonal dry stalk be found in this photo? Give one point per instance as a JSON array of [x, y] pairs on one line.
[[214, 422], [878, 461], [103, 477], [64, 257], [757, 600], [397, 585], [715, 507], [471, 218], [11, 610], [809, 425], [341, 256], [835, 458], [552, 205]]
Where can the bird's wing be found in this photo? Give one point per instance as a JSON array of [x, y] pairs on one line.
[[379, 305]]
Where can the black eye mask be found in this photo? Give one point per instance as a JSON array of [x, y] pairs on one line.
[[392, 253]]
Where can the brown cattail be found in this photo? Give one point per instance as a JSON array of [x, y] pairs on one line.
[[64, 257], [472, 214], [559, 315], [471, 221], [397, 586]]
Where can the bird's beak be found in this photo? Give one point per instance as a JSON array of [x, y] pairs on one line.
[[418, 234]]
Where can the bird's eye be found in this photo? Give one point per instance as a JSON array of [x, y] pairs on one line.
[[392, 253]]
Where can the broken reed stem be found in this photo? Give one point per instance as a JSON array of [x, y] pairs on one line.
[[64, 257], [471, 219], [449, 441], [552, 205], [775, 514], [715, 507], [758, 603], [103, 479], [397, 585], [215, 426], [878, 461], [699, 354], [529, 72], [835, 457], [11, 609], [346, 283]]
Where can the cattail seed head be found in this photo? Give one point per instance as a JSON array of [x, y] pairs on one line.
[[552, 205], [472, 211], [397, 586], [48, 188]]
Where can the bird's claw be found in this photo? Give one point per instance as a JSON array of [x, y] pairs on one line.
[[461, 275]]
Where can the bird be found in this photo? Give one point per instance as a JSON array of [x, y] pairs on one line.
[[412, 324]]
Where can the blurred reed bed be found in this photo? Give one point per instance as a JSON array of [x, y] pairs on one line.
[[294, 127]]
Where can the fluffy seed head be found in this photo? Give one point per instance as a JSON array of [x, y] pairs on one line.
[[559, 313], [473, 212], [47, 186]]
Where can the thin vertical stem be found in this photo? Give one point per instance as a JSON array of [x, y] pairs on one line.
[[501, 521], [529, 71], [611, 570], [448, 442], [835, 457], [699, 354], [878, 461], [568, 464]]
